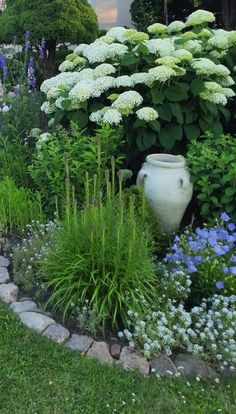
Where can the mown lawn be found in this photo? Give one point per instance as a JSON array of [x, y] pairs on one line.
[[40, 377]]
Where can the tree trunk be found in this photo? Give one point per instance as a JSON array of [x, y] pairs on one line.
[[49, 61], [228, 8], [166, 12]]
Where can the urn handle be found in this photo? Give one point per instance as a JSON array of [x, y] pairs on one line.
[[184, 183], [142, 175]]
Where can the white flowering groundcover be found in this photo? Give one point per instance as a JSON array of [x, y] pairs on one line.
[[165, 86]]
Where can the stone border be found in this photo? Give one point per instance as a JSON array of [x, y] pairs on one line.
[[39, 321]]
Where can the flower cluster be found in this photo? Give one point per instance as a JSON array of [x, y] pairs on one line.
[[27, 255], [213, 323], [209, 255], [127, 101], [199, 17], [147, 114]]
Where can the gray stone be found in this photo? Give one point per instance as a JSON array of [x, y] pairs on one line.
[[57, 333], [115, 350], [163, 366], [35, 321], [26, 306], [100, 351], [8, 292], [4, 275], [4, 261], [131, 360], [25, 299], [79, 343], [191, 366]]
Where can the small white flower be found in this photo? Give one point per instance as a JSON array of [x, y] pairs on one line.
[[147, 114]]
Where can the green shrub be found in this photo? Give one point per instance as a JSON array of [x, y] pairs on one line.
[[213, 171], [15, 157], [18, 207], [82, 153], [165, 87], [102, 254]]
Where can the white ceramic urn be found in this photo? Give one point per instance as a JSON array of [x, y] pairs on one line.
[[167, 186]]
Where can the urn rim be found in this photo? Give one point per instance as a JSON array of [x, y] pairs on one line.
[[166, 160]]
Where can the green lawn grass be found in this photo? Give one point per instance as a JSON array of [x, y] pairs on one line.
[[41, 377]]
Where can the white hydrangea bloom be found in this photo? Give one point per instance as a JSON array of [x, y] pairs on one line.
[[206, 33], [79, 50], [200, 16], [100, 52], [105, 39], [161, 73], [82, 91], [147, 114], [133, 36], [112, 117], [102, 85], [96, 116], [229, 93], [164, 47], [218, 54], [127, 101], [157, 28], [176, 26], [53, 93], [87, 73], [59, 101], [103, 70], [124, 81], [227, 81], [48, 108], [117, 33], [170, 61], [220, 41], [97, 52], [141, 78], [217, 98], [51, 122], [213, 87], [194, 46], [64, 80], [203, 66], [67, 65], [183, 54], [35, 132], [221, 70], [44, 137]]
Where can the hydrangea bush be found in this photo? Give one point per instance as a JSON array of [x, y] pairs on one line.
[[165, 85]]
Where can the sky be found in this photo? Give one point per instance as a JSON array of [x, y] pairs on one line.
[[112, 12]]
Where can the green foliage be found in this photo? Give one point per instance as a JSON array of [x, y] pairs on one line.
[[24, 114], [102, 254], [66, 379], [15, 156], [63, 20], [213, 171], [18, 207], [83, 154], [146, 12]]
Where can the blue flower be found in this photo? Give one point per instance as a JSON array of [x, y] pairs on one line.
[[231, 226], [232, 270], [219, 285], [224, 217]]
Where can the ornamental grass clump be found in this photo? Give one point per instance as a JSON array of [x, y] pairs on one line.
[[208, 255], [101, 254], [168, 85]]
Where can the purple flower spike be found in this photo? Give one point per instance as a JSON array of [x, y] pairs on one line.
[[225, 217], [219, 285], [31, 74], [233, 270]]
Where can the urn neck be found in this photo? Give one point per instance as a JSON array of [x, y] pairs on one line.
[[166, 160]]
